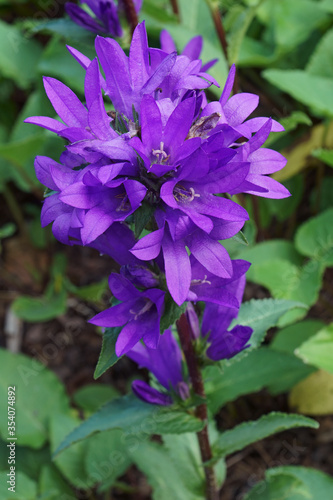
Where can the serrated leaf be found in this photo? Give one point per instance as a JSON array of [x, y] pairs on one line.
[[318, 350], [325, 155], [108, 356], [311, 90], [314, 238], [260, 368], [134, 416], [293, 483], [250, 432], [35, 384], [261, 315], [313, 395]]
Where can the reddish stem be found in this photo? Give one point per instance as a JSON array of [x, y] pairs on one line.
[[131, 14], [185, 336]]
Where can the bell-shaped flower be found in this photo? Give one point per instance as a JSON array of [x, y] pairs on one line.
[[165, 363]]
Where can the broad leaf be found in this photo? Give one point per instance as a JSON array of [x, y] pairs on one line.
[[314, 237], [293, 483], [249, 432], [289, 338], [320, 62], [18, 56], [164, 475], [133, 416], [311, 90], [261, 315], [25, 489], [260, 368], [39, 395], [318, 350], [325, 155]]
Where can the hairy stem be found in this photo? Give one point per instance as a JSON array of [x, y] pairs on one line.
[[185, 336], [131, 14]]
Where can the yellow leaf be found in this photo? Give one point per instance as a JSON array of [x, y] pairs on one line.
[[313, 395]]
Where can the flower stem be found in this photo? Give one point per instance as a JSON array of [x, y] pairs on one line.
[[185, 336], [131, 14]]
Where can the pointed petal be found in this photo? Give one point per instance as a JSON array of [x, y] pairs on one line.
[[177, 269], [66, 103], [96, 222], [228, 85], [211, 254], [150, 395], [149, 246], [139, 57]]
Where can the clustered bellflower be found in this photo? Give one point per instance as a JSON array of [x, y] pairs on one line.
[[104, 17], [147, 177]]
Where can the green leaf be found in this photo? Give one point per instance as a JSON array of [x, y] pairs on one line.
[[261, 315], [42, 308], [172, 312], [313, 395], [106, 458], [164, 475], [134, 416], [71, 462], [7, 230], [56, 61], [92, 293], [92, 397], [293, 483], [250, 432], [325, 155], [311, 90], [318, 350], [238, 31], [260, 368], [51, 484], [320, 62], [107, 357], [25, 488], [269, 250], [39, 395], [141, 218], [66, 28], [27, 460], [286, 281], [314, 238], [19, 56], [289, 338]]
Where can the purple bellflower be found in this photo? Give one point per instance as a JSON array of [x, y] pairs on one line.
[[224, 343], [163, 148], [165, 363], [104, 18], [139, 313]]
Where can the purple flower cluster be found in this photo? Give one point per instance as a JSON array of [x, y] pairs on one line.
[[148, 156], [104, 17]]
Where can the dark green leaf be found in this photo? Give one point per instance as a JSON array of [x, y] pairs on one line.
[[107, 357], [260, 368], [172, 312], [141, 218], [134, 416], [249, 432], [292, 336]]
